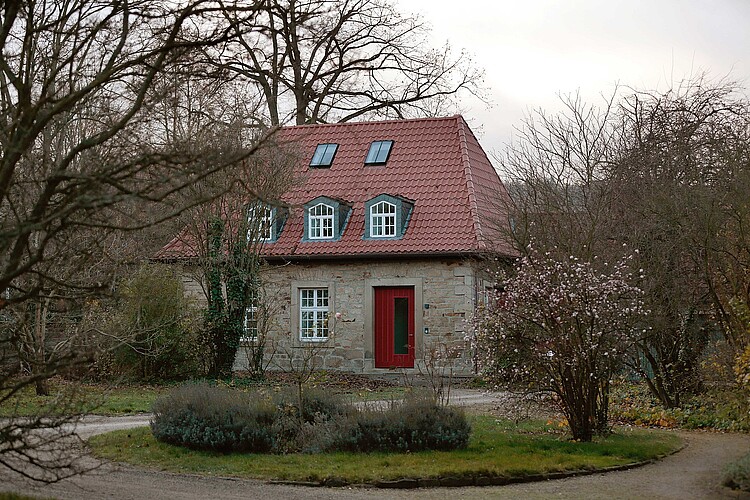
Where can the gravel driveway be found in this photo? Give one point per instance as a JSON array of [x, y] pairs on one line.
[[694, 472]]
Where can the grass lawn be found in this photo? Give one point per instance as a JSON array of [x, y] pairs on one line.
[[126, 399], [497, 448], [99, 399]]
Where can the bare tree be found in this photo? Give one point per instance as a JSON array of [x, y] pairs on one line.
[[662, 176], [336, 60], [79, 142], [556, 173], [259, 347], [84, 159], [680, 176], [302, 359]]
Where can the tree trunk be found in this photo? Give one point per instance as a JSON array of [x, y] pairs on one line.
[[42, 387], [39, 350], [577, 406]]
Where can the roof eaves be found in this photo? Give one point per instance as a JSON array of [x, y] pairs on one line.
[[373, 256], [174, 259]]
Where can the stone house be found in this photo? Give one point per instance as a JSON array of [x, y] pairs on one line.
[[372, 259]]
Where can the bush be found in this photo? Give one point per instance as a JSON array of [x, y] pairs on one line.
[[737, 474], [561, 326], [154, 322], [203, 417], [716, 408], [302, 429], [317, 404], [414, 425]]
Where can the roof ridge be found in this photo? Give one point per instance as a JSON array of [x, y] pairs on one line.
[[473, 204], [374, 122]]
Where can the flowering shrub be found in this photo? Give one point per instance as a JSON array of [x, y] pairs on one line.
[[562, 326]]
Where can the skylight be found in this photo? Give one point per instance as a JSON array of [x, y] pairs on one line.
[[323, 156], [378, 153]]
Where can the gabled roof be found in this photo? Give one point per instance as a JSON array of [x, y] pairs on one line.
[[436, 163]]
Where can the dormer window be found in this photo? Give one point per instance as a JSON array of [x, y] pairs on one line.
[[378, 153], [386, 217], [323, 156], [320, 222], [325, 219], [264, 222], [382, 220], [260, 223]]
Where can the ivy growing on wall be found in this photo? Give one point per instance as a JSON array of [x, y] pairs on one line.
[[238, 268]]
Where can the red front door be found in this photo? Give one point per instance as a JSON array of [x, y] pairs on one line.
[[394, 327]]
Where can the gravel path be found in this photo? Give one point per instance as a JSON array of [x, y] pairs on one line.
[[694, 472]]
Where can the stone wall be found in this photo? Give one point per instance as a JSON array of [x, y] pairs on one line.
[[445, 295], [446, 292]]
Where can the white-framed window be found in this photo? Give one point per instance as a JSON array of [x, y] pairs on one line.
[[250, 326], [382, 220], [260, 223], [313, 314], [320, 222]]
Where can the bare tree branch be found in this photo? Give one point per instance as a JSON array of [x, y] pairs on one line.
[[336, 60]]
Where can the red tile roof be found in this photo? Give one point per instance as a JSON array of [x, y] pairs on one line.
[[436, 162]]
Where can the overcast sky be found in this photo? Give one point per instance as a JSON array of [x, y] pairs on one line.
[[531, 50]]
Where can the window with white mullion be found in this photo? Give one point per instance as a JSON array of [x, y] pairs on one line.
[[320, 222], [250, 327], [260, 223], [382, 220], [313, 314]]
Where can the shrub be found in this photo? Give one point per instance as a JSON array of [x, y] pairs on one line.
[[317, 404], [297, 429], [413, 425], [154, 324], [737, 474], [416, 424], [742, 368], [562, 326], [203, 417], [716, 408]]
